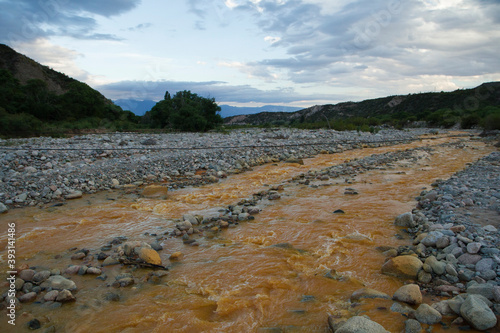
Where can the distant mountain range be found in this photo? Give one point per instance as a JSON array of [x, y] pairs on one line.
[[140, 107]]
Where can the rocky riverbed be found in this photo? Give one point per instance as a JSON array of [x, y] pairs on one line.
[[454, 256], [37, 171]]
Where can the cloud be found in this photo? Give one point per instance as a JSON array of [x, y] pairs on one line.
[[376, 39], [28, 20], [58, 58], [221, 91]]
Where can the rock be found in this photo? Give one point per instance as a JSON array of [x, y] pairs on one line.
[[443, 242], [65, 296], [150, 256], [432, 238], [27, 275], [115, 183], [94, 271], [405, 267], [473, 247], [405, 220], [243, 216], [368, 293], [476, 312], [412, 326], [155, 192], [72, 270], [74, 195], [427, 315], [41, 276], [469, 259], [409, 293], [455, 304], [58, 282], [175, 256], [34, 324], [358, 324], [485, 265], [3, 208], [424, 277], [149, 142], [156, 246], [78, 256], [490, 228], [19, 283], [110, 261], [184, 225], [443, 308], [112, 297], [483, 289], [29, 297], [402, 308], [339, 211], [51, 296], [438, 267]]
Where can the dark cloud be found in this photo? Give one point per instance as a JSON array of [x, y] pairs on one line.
[[221, 91], [28, 20]]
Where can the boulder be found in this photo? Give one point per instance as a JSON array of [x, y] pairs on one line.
[[409, 293], [358, 324], [405, 267], [477, 313]]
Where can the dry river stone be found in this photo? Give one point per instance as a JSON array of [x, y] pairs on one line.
[[476, 312], [360, 324], [405, 267], [409, 293]]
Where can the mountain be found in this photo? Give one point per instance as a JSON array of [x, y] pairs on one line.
[[138, 107], [228, 110], [36, 99], [443, 108]]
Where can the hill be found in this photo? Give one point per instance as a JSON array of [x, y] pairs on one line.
[[229, 111], [35, 99], [468, 107]]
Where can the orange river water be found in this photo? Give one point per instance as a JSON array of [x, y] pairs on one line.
[[236, 281]]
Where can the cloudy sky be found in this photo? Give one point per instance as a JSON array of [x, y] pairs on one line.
[[255, 52]]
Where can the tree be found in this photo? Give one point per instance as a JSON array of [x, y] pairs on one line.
[[185, 111]]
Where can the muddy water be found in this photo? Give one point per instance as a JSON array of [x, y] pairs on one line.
[[287, 270]]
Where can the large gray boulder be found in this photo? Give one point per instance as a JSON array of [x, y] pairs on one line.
[[360, 324], [477, 313]]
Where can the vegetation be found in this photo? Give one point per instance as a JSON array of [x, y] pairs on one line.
[[185, 111]]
